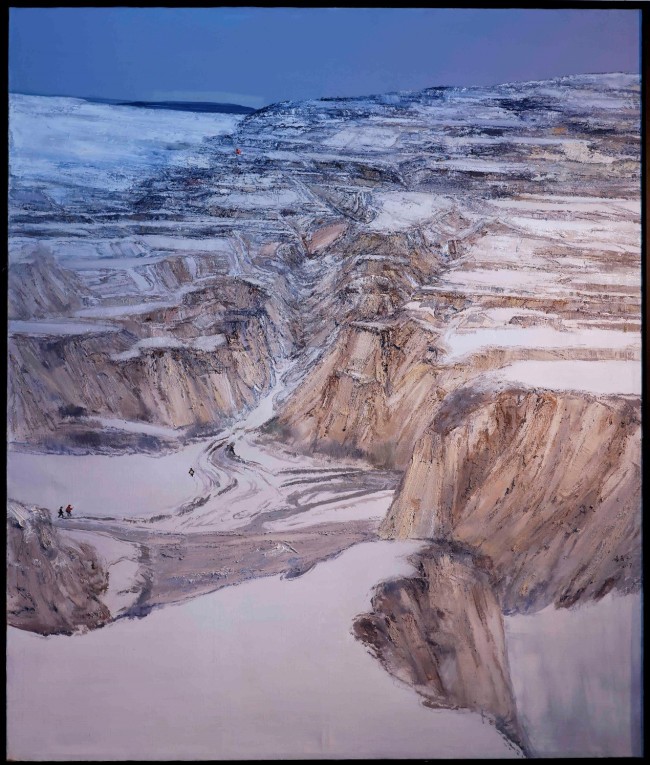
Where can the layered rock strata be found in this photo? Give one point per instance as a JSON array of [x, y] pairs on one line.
[[545, 484]]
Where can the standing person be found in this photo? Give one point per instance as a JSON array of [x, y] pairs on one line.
[[69, 510], [61, 512]]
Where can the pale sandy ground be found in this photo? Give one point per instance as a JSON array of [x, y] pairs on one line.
[[577, 677], [235, 488], [268, 669], [100, 485], [373, 507], [614, 376]]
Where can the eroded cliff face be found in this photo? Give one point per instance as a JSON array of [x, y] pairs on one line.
[[53, 586], [374, 243], [441, 632], [545, 484], [370, 394], [198, 363]]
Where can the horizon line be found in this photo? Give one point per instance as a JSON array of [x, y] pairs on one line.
[[127, 101]]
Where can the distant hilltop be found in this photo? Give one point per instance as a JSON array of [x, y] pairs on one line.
[[178, 106], [181, 106], [190, 106]]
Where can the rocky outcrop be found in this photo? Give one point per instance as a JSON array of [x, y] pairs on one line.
[[442, 633], [53, 586], [193, 369], [545, 484], [372, 393]]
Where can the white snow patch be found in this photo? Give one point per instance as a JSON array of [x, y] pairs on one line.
[[266, 406], [121, 311], [611, 278], [501, 278], [186, 244], [611, 376], [504, 315], [591, 205], [404, 209], [140, 282], [134, 426], [463, 343], [52, 327], [482, 165], [121, 486], [148, 342], [72, 145], [208, 342], [265, 199], [360, 138], [600, 234], [267, 669]]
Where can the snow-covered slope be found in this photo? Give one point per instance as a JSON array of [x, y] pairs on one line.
[[68, 148]]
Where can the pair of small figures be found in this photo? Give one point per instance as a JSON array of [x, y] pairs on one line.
[[68, 511]]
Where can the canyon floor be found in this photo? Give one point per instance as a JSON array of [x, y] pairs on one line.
[[397, 342]]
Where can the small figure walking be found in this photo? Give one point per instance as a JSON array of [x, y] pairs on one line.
[[238, 152], [191, 471], [69, 510], [61, 512]]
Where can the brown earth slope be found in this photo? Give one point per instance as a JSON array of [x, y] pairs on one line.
[[546, 484], [53, 587]]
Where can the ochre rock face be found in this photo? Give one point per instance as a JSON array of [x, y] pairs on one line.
[[53, 585], [324, 236], [372, 393], [441, 631], [546, 484], [177, 383]]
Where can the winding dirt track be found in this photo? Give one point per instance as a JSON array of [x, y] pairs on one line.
[[243, 481], [239, 523]]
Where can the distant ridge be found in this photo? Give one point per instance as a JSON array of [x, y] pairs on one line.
[[189, 106], [179, 106]]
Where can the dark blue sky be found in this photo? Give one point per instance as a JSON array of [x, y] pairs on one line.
[[257, 56]]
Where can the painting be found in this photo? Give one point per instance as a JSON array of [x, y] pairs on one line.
[[324, 383]]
